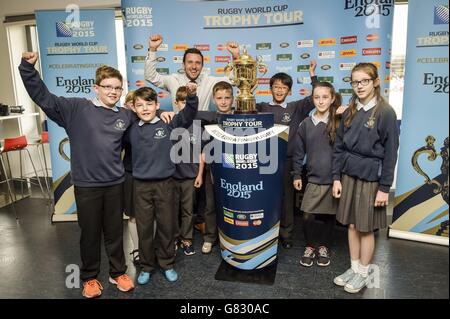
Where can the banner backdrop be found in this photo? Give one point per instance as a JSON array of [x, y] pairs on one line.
[[72, 46], [421, 203], [286, 34]]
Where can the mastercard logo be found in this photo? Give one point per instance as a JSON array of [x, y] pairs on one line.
[[304, 92], [163, 95], [372, 37], [140, 83], [257, 222]]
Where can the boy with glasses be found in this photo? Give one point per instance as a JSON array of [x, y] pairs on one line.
[[95, 128]]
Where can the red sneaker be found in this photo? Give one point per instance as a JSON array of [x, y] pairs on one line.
[[92, 288], [123, 282]]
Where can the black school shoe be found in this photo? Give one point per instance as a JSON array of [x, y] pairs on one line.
[[323, 259], [286, 244], [307, 259]]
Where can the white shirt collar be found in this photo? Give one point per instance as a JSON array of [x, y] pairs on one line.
[[97, 103], [283, 105], [316, 120], [368, 106], [155, 120]]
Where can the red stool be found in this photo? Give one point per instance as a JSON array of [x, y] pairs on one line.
[[39, 142], [16, 144]]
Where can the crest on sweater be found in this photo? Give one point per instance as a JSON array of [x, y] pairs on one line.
[[286, 118], [160, 133], [193, 139], [370, 122], [120, 125]]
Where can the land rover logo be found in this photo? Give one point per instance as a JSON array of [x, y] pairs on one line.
[[305, 56], [326, 67], [161, 59], [284, 45], [138, 46], [241, 216], [181, 71], [347, 79]]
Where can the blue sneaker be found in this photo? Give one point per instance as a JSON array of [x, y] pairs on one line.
[[144, 278], [171, 275]]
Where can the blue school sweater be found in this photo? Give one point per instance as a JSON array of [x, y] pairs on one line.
[[367, 150], [312, 141], [151, 143], [291, 115], [95, 132]]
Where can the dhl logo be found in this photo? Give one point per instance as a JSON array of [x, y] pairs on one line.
[[327, 42], [180, 47]]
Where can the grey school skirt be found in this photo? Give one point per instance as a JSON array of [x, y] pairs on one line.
[[318, 199], [356, 205]]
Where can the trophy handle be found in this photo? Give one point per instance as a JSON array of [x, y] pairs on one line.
[[228, 70], [262, 65], [428, 149]]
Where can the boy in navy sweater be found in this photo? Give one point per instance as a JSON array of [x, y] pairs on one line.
[[154, 186], [290, 114], [95, 129], [188, 176]]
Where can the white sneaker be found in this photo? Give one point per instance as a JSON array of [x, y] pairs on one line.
[[343, 279], [355, 284], [206, 248]]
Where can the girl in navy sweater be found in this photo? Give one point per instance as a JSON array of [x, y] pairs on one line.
[[314, 139], [365, 155]]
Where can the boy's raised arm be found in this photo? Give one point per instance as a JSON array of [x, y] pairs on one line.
[[59, 109], [187, 115]]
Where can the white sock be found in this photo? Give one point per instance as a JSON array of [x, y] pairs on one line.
[[363, 270], [355, 264], [132, 228]]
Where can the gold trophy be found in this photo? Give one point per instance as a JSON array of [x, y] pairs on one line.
[[245, 79], [429, 148]]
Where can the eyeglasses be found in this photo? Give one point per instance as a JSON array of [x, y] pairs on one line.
[[109, 88], [364, 82], [280, 88]]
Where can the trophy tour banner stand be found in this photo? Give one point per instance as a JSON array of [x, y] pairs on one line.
[[248, 181], [73, 44], [421, 202], [248, 193]]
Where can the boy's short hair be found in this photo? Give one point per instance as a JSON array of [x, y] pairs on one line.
[[222, 85], [145, 93], [192, 51], [181, 94], [130, 97], [284, 78], [107, 72]]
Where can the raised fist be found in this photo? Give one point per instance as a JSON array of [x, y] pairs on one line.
[[155, 41], [312, 67], [233, 48], [191, 88], [30, 57]]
